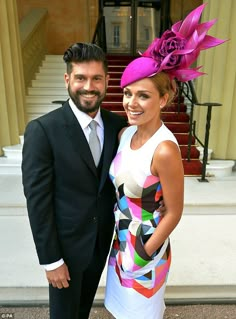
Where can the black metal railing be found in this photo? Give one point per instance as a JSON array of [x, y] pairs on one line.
[[99, 36], [207, 134], [187, 90]]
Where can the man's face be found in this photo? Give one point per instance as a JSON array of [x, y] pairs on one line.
[[87, 85]]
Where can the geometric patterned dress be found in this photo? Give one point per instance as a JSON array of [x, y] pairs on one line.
[[136, 282]]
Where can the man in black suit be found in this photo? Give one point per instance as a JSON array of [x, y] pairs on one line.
[[69, 199]]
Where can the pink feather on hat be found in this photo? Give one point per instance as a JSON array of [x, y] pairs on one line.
[[175, 51]]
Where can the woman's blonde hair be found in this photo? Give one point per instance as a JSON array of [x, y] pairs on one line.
[[164, 85]]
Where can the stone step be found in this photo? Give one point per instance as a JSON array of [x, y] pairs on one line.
[[201, 299], [36, 91], [60, 71], [48, 70], [41, 108], [34, 116], [54, 65], [47, 91], [10, 162], [49, 77], [61, 66], [58, 77], [53, 58], [58, 60], [47, 99], [43, 97], [10, 166], [47, 107], [13, 151], [219, 168], [48, 84]]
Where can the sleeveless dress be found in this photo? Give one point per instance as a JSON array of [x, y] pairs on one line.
[[136, 283]]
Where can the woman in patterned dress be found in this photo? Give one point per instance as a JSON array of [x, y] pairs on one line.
[[147, 168]]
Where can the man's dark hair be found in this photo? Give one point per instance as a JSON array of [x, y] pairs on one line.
[[84, 52]]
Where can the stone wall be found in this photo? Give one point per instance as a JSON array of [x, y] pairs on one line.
[[67, 22]]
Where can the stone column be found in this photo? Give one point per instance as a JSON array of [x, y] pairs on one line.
[[12, 97], [219, 84]]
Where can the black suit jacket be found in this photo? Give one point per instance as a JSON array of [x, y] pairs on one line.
[[69, 205]]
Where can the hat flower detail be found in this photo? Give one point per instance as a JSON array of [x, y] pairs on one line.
[[179, 47], [163, 49]]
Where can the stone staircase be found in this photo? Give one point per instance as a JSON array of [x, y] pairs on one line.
[[48, 86], [48, 90]]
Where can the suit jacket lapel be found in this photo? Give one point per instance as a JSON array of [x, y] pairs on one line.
[[77, 137]]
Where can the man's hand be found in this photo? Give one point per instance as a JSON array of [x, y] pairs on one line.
[[59, 277]]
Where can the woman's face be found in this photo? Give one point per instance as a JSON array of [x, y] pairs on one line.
[[142, 102]]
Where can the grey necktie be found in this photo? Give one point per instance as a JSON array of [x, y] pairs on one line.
[[94, 142]]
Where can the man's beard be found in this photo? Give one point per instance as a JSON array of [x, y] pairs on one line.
[[88, 106]]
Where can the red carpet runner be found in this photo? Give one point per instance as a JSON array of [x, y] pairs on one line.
[[177, 122]]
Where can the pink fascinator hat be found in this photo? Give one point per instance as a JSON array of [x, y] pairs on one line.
[[175, 51]]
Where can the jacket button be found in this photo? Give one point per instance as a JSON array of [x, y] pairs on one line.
[[94, 219]]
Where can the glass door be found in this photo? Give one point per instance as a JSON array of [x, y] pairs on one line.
[[147, 24], [130, 25], [118, 22]]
